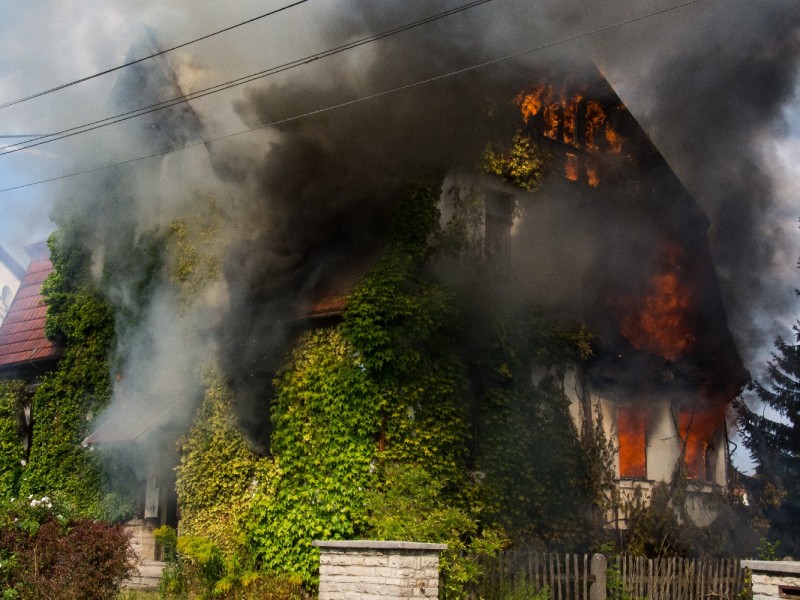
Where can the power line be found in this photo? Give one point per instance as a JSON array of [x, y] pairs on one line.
[[362, 98], [65, 133], [138, 60]]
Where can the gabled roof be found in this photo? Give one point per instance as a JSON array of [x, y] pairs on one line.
[[22, 338]]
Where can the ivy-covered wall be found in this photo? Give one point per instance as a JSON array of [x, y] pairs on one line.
[[376, 421], [415, 416], [69, 397], [13, 398]]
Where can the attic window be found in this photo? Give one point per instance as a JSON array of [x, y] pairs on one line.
[[498, 217], [632, 442]]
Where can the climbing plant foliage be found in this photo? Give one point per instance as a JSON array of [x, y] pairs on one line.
[[216, 472], [375, 421], [531, 454], [384, 386], [524, 163], [13, 398], [69, 397]]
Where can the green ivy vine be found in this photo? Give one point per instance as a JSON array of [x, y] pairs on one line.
[[13, 397], [69, 397]]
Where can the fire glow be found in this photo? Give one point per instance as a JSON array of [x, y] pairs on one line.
[[631, 432], [697, 428], [659, 321], [573, 120]]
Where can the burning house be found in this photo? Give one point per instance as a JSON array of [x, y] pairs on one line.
[[631, 259]]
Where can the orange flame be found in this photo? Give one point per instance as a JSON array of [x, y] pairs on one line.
[[595, 117], [557, 109], [631, 435], [697, 430], [592, 175], [570, 110], [530, 104], [614, 141], [571, 167], [659, 322]]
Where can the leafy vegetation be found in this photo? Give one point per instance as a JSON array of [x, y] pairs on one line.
[[537, 475], [13, 430], [410, 505], [216, 472], [524, 163], [68, 397], [374, 429], [44, 553]]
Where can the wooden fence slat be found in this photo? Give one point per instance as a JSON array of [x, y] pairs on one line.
[[557, 581], [654, 579], [585, 578], [576, 586]]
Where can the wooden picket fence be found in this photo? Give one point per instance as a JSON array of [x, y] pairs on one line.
[[573, 577], [568, 576], [680, 578]]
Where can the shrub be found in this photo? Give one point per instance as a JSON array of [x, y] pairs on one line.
[[46, 555], [199, 570], [412, 507]]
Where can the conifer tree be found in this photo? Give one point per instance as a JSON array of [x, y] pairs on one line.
[[772, 435]]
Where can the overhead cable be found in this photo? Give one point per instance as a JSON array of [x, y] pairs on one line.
[[144, 58], [72, 131], [360, 99]]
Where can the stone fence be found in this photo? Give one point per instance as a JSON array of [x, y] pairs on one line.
[[378, 570], [774, 578]]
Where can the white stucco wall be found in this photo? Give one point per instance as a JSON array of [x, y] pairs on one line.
[[9, 284]]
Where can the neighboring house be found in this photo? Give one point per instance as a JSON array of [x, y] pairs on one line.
[[11, 274], [25, 352]]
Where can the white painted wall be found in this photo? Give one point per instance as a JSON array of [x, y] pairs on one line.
[[9, 283]]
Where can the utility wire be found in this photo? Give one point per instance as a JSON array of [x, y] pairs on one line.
[[361, 99], [138, 60], [65, 133]]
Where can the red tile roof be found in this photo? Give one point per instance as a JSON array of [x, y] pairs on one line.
[[22, 338], [331, 295]]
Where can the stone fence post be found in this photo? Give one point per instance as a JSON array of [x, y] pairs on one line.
[[598, 567], [774, 578], [370, 569]]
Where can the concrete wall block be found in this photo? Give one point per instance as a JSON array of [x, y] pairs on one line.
[[367, 570], [765, 589]]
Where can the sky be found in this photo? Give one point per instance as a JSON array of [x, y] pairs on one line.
[[713, 82]]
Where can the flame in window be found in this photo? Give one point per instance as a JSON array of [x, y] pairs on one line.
[[659, 321], [697, 428], [632, 441]]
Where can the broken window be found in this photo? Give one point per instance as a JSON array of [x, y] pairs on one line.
[[697, 431], [632, 442]]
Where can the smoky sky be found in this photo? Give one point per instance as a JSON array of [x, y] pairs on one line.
[[708, 82]]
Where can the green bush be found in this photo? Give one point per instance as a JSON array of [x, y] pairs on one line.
[[198, 569], [520, 589], [44, 554], [411, 507]]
